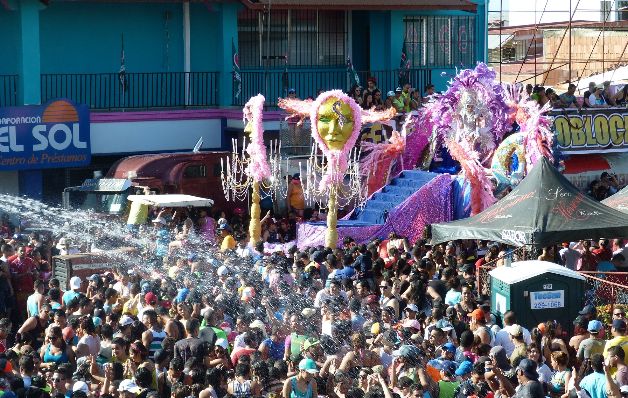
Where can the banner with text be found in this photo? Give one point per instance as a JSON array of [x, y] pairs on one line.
[[593, 130], [44, 136]]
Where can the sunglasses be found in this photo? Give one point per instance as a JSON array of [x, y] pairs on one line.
[[619, 314], [57, 380]]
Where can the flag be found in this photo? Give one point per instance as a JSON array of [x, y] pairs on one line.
[[285, 79], [122, 71], [404, 66], [237, 77], [353, 75]]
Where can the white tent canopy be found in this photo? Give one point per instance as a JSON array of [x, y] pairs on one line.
[[172, 200], [617, 77]]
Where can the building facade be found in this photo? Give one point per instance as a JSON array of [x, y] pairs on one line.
[[157, 76]]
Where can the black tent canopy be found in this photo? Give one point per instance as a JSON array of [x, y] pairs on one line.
[[619, 201], [544, 209]]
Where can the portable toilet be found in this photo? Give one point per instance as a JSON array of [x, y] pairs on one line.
[[537, 291]]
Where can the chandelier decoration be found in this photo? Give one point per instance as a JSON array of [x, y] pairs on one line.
[[249, 169]]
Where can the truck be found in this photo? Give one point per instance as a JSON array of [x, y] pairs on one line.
[[191, 173]]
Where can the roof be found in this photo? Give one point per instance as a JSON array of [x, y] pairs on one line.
[[619, 201], [172, 200], [522, 270], [465, 5], [558, 25], [544, 209]]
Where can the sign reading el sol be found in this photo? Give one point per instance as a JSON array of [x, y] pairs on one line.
[[44, 136]]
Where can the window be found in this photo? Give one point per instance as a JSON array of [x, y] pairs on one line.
[[300, 38], [440, 41], [622, 10], [195, 171], [605, 10]]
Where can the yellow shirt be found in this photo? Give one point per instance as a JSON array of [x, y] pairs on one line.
[[621, 341], [228, 243]]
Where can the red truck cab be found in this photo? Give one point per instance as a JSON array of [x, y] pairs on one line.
[[188, 173]]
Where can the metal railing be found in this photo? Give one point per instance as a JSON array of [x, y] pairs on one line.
[[8, 90], [273, 84], [133, 90]]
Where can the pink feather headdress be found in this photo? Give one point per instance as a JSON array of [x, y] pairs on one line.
[[336, 159], [252, 112]]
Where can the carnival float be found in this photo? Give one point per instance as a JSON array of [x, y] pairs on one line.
[[492, 133]]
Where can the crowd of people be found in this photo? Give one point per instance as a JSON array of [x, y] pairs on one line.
[[404, 98], [596, 96], [386, 319]]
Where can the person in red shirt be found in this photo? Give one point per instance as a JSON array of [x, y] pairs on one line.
[[250, 347], [23, 274], [588, 260], [603, 252]]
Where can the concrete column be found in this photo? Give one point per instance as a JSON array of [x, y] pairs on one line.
[[228, 32], [186, 49], [29, 65]]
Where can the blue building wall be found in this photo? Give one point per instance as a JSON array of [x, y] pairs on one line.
[[9, 44], [86, 37], [205, 37]]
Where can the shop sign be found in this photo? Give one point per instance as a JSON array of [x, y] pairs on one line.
[[53, 135], [595, 130]]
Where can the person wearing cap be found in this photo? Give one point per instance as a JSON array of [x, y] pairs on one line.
[[303, 385], [162, 235], [447, 384], [464, 370], [398, 100], [520, 349], [618, 331], [588, 312], [529, 385], [503, 337], [128, 389], [478, 326], [227, 241], [594, 344], [476, 385], [596, 99]]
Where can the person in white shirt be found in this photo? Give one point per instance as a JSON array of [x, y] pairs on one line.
[[569, 256], [620, 248], [502, 337], [331, 290], [242, 249]]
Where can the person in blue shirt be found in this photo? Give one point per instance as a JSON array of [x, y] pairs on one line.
[[595, 383]]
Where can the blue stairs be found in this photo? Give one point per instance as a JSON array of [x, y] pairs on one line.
[[392, 195]]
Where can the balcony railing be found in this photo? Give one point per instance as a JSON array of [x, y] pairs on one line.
[[113, 91], [274, 83], [8, 90]]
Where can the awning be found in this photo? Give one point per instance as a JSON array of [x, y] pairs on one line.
[[105, 185], [463, 5], [172, 200]]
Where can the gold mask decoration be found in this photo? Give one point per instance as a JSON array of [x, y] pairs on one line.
[[335, 123]]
